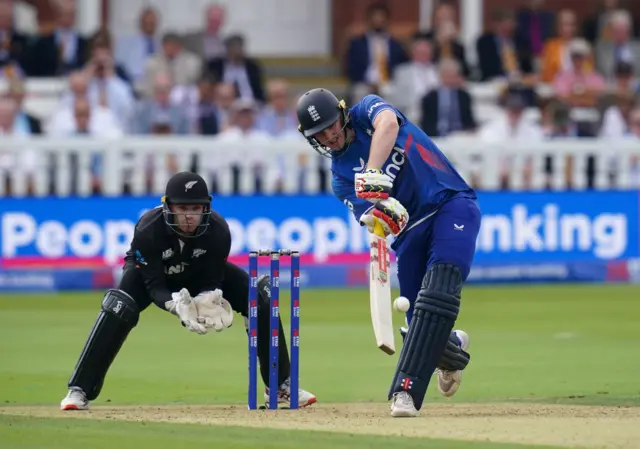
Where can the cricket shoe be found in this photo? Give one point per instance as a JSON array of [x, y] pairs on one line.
[[75, 400], [284, 395], [449, 381], [402, 406]]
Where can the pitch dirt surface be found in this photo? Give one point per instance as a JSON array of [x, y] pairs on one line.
[[559, 425]]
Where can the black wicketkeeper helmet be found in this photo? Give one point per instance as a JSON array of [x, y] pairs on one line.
[[186, 188], [317, 110]]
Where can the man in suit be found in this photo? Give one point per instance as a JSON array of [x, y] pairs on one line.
[[61, 52], [535, 25], [448, 108], [238, 69], [412, 80], [371, 59], [208, 43], [132, 52], [621, 47], [184, 67], [501, 52]]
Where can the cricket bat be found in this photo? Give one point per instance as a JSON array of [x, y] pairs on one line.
[[380, 290]]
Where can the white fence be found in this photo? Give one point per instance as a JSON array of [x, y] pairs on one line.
[[42, 166]]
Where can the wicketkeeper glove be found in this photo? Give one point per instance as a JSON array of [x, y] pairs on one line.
[[213, 310], [389, 213], [183, 306], [373, 185]]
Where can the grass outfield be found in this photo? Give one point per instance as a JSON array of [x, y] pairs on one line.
[[530, 346]]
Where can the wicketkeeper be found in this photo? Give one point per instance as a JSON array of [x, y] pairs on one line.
[[177, 261]]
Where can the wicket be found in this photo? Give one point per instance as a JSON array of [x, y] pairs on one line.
[[274, 329]]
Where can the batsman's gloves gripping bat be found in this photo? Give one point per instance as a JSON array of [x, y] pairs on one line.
[[185, 308], [389, 213], [213, 310], [373, 185]]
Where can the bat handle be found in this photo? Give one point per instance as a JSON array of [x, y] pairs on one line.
[[378, 229]]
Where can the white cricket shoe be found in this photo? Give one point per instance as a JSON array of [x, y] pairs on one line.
[[402, 406], [75, 400], [449, 381], [284, 395]]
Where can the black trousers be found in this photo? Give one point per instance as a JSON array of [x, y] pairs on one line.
[[235, 289]]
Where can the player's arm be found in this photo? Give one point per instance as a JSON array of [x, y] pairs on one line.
[[148, 258], [386, 128], [149, 261], [373, 184], [212, 273]]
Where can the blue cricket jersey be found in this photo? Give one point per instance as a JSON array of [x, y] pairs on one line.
[[423, 178]]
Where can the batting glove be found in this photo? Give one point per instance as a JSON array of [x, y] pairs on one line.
[[213, 310], [373, 185], [389, 213], [183, 306]]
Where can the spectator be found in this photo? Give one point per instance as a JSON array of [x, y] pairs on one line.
[[208, 43], [106, 88], [535, 25], [414, 79], [183, 66], [513, 127], [555, 56], [445, 37], [25, 122], [225, 95], [595, 28], [243, 130], [634, 166], [62, 122], [372, 58], [238, 69], [580, 86], [501, 53], [15, 158], [616, 122], [625, 83], [13, 44], [159, 110], [448, 108], [63, 51], [278, 118], [207, 120], [621, 48], [133, 52]]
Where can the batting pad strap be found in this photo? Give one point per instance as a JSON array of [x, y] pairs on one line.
[[122, 305], [453, 357]]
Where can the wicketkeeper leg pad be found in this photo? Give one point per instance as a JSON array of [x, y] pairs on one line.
[[435, 312], [119, 315]]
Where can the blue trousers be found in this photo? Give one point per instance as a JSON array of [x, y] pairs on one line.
[[449, 236]]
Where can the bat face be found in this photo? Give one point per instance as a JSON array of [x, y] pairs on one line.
[[380, 293]]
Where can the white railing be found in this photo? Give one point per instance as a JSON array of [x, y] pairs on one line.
[[144, 164]]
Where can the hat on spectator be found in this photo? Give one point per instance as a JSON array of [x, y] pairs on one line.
[[579, 47], [514, 100]]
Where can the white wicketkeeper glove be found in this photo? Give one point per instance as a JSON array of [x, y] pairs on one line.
[[389, 213], [185, 308], [213, 310]]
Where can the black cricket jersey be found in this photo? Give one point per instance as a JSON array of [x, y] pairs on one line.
[[169, 262]]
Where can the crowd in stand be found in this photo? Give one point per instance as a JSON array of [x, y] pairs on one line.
[[204, 83]]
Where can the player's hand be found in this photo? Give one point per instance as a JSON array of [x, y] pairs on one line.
[[390, 214], [213, 310], [373, 185], [186, 310]]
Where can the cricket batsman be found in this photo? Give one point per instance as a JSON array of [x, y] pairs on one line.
[[387, 170], [177, 261]]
